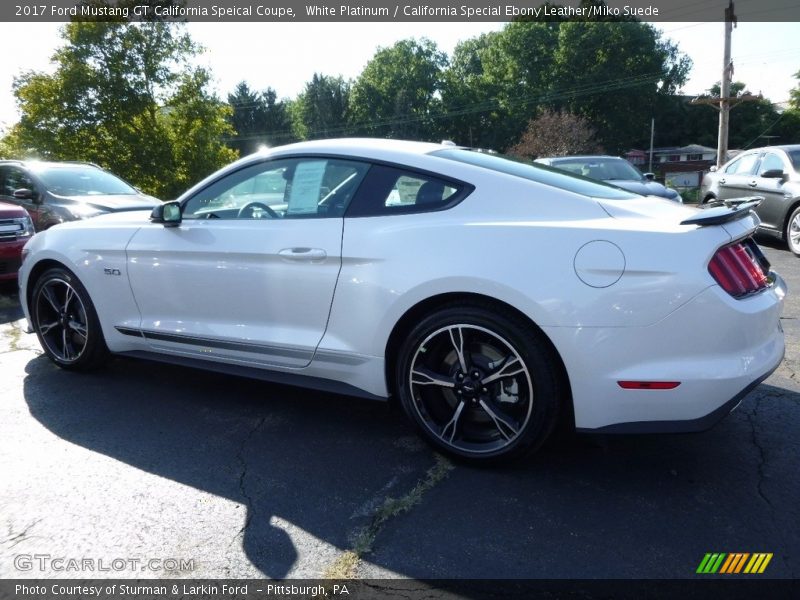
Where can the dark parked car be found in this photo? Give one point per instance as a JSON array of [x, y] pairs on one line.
[[16, 228], [55, 192], [614, 170], [772, 173]]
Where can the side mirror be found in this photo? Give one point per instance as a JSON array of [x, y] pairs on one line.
[[713, 168], [168, 214], [24, 194], [650, 176], [769, 174]]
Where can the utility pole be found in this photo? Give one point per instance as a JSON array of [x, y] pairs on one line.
[[725, 103], [725, 89], [652, 134]]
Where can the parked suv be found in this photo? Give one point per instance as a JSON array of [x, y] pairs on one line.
[[54, 192], [16, 228], [772, 173]]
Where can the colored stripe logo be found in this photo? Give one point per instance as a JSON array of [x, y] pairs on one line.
[[735, 562]]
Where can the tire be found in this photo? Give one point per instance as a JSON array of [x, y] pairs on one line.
[[502, 406], [792, 233], [66, 323]]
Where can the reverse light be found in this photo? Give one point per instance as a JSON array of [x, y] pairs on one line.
[[737, 271]]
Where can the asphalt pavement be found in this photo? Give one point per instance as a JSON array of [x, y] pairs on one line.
[[150, 470]]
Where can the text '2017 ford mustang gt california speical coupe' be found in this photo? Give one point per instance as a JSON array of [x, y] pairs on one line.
[[491, 297]]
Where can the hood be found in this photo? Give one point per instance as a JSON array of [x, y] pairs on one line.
[[115, 202], [645, 188], [11, 211]]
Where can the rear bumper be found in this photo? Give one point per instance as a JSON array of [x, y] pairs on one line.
[[717, 347], [686, 426]]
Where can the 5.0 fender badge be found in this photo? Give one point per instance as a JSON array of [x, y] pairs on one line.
[[108, 271]]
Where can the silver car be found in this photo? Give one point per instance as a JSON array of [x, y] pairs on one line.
[[772, 173]]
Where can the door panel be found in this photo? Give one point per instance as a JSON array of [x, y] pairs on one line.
[[249, 274], [734, 181], [222, 287], [772, 210]]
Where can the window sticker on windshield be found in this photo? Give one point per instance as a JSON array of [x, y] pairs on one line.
[[306, 183]]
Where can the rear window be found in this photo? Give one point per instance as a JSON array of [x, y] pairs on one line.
[[536, 172]]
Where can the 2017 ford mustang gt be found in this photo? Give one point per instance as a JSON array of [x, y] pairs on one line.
[[491, 297]]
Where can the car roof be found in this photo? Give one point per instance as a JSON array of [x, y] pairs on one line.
[[48, 163], [377, 148]]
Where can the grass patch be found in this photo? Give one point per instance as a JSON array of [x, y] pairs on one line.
[[346, 565]]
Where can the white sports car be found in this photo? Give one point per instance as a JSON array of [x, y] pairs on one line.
[[491, 297]]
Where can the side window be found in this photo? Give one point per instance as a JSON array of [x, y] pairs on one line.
[[12, 178], [742, 166], [390, 190], [769, 162], [3, 187], [280, 189]]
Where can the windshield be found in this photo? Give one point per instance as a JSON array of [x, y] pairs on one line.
[[606, 169], [81, 181], [537, 172]]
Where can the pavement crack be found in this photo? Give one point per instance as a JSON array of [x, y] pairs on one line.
[[248, 501], [345, 566], [762, 459], [15, 538]]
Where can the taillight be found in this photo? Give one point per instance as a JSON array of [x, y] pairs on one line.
[[738, 269]]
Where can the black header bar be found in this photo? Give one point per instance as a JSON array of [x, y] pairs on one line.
[[386, 11]]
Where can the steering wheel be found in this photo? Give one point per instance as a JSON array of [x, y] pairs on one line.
[[246, 212]]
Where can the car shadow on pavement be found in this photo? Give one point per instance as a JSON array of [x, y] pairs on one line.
[[10, 309], [584, 506]]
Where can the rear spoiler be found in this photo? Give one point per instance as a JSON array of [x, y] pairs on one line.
[[730, 210]]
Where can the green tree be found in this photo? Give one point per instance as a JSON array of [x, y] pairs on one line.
[[322, 109], [196, 121], [259, 118], [248, 118], [789, 126], [493, 85], [118, 97], [396, 94], [613, 73]]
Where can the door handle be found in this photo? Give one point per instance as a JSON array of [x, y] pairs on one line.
[[753, 183], [722, 180], [303, 254]]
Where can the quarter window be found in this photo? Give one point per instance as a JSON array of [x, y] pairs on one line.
[[280, 189], [389, 190]]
